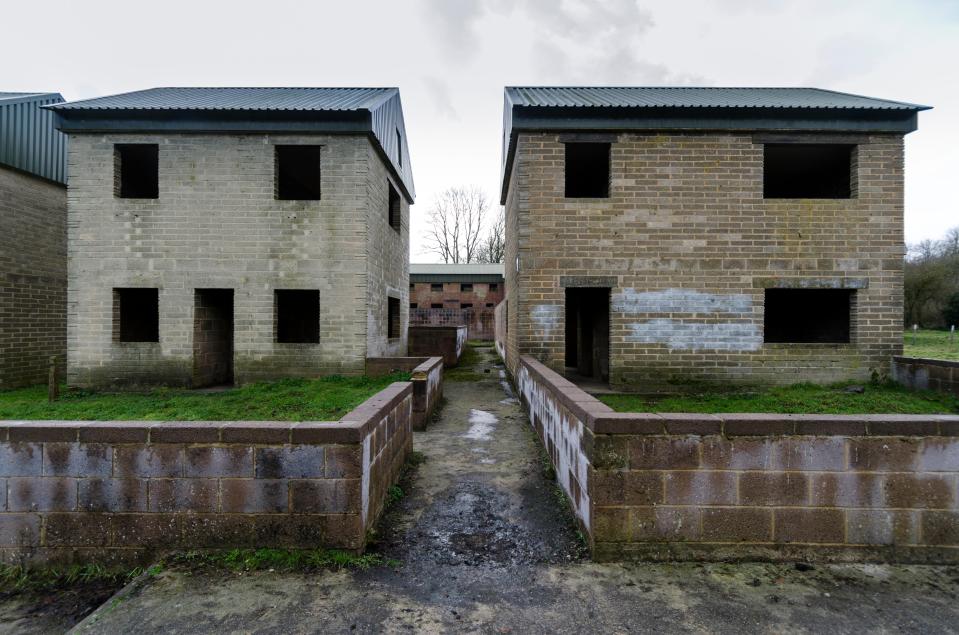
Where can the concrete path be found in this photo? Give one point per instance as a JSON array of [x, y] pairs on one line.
[[486, 546]]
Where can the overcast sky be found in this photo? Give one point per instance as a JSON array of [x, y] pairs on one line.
[[451, 59]]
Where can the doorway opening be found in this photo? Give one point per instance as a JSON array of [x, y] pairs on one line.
[[213, 337], [587, 331]]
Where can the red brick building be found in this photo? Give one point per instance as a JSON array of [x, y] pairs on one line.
[[456, 294]]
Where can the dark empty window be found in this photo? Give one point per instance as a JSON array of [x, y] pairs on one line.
[[436, 306], [436, 287], [395, 212], [466, 305], [466, 288], [399, 148], [490, 305], [587, 170], [136, 170], [298, 173], [493, 286], [412, 305], [297, 316], [412, 286], [805, 170], [808, 316], [393, 317], [136, 315]]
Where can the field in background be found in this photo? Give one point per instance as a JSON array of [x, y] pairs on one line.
[[324, 399], [931, 344]]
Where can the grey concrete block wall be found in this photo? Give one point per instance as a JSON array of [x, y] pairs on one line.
[[33, 277], [216, 224]]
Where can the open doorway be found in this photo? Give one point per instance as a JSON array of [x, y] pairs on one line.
[[213, 337], [587, 331]]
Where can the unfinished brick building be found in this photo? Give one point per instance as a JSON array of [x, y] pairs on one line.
[[456, 295], [235, 234], [33, 239], [657, 235]]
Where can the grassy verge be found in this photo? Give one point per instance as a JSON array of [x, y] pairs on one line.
[[324, 399], [16, 578], [795, 399], [464, 370], [276, 560], [931, 344]]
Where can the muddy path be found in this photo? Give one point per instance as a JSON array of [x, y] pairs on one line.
[[485, 545]]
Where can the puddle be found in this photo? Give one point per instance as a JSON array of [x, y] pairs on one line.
[[481, 425]]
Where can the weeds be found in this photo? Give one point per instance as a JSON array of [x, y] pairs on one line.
[[277, 559], [23, 578]]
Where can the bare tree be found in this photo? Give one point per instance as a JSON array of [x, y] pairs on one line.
[[456, 224], [493, 247]]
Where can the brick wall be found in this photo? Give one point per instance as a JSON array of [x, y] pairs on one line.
[[926, 374], [126, 491], [33, 271], [478, 322], [453, 297], [681, 486], [447, 342], [687, 244], [426, 377], [216, 225]]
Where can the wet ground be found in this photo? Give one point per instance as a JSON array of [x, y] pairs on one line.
[[486, 546]]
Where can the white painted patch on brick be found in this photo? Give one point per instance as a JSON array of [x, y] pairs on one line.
[[482, 424], [565, 433], [365, 481], [687, 336], [546, 316], [631, 301]]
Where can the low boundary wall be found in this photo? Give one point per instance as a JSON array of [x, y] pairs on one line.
[[447, 342], [750, 486], [427, 380], [926, 374], [124, 491], [478, 321]]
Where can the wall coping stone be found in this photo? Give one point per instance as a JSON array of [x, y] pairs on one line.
[[926, 361], [601, 419]]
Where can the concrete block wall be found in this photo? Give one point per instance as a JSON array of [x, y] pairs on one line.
[[33, 277], [426, 377], [125, 491], [216, 224], [447, 342], [926, 374], [687, 244], [750, 486], [479, 323]]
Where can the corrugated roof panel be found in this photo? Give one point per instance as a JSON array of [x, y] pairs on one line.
[[29, 140], [695, 97], [238, 98]]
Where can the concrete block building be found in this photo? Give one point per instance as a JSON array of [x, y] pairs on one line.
[[662, 235], [456, 295], [33, 245], [221, 235]]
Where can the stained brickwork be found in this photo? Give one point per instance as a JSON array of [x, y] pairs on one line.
[[441, 303], [690, 245], [33, 272], [217, 225], [698, 486], [126, 491]]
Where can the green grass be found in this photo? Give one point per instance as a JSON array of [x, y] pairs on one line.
[[464, 369], [931, 344], [19, 578], [795, 399], [325, 399], [278, 559]]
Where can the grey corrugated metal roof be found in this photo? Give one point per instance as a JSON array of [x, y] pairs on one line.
[[374, 111], [238, 98], [695, 97], [662, 108], [458, 269], [29, 140]]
